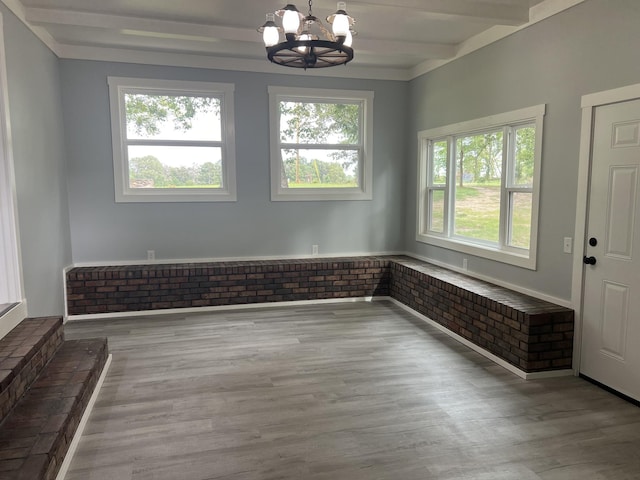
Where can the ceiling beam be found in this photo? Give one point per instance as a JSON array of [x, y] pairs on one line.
[[415, 49], [514, 13], [168, 28], [212, 33]]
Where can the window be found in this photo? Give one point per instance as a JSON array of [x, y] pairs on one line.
[[173, 141], [479, 184], [321, 144]]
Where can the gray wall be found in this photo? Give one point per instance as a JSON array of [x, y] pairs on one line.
[[588, 48], [39, 156], [102, 230]]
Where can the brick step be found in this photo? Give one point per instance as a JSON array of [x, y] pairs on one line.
[[37, 433], [24, 352]]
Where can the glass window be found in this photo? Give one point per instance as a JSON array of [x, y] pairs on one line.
[[172, 140], [321, 146], [479, 186]]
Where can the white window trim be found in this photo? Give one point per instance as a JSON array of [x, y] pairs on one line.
[[11, 280], [118, 86], [365, 191], [513, 256]]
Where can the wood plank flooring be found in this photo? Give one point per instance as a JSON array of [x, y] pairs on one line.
[[338, 391]]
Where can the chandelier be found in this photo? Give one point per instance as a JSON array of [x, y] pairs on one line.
[[307, 42]]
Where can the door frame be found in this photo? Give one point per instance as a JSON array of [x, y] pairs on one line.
[[589, 103]]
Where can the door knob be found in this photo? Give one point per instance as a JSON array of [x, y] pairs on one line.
[[593, 241], [589, 260]]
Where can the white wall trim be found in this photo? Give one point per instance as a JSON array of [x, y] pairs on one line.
[[17, 8], [11, 281], [144, 57], [66, 463], [118, 263], [485, 353], [589, 103]]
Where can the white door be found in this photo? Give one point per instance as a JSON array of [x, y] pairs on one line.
[[611, 309]]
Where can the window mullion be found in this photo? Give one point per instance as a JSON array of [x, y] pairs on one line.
[[449, 194], [320, 146], [508, 152], [174, 143]]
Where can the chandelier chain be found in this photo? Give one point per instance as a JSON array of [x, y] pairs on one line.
[[310, 13]]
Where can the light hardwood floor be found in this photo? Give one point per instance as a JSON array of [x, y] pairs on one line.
[[342, 392]]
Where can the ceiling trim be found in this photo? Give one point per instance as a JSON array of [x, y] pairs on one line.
[[495, 13], [207, 33], [171, 59], [18, 10], [539, 12], [46, 16], [441, 54]]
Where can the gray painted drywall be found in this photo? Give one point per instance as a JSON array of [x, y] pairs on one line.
[[588, 48], [104, 231], [591, 47], [39, 157]]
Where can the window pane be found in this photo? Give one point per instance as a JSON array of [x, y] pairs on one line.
[[439, 163], [520, 219], [524, 156], [332, 123], [478, 176], [436, 213], [175, 167], [312, 168], [166, 117]]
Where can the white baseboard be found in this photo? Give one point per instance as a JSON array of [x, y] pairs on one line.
[[62, 473], [485, 353]]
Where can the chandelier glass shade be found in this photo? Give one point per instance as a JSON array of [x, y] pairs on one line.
[[308, 43]]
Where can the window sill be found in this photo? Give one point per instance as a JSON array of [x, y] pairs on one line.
[[319, 194], [178, 195], [482, 251]]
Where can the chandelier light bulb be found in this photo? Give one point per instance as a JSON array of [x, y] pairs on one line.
[[290, 19], [270, 33], [304, 36], [341, 21]]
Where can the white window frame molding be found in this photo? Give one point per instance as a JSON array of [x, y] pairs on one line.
[[118, 87], [11, 278], [502, 253], [365, 99]]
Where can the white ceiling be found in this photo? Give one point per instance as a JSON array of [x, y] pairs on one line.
[[397, 39]]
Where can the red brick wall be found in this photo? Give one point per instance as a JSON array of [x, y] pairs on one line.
[[529, 333], [131, 288], [24, 352], [532, 334]]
